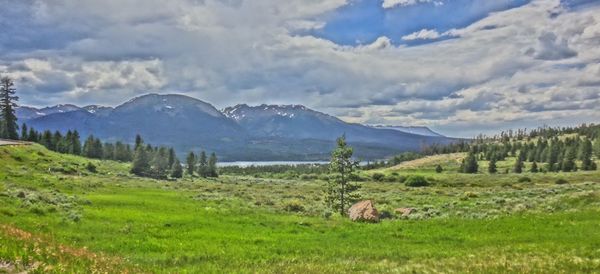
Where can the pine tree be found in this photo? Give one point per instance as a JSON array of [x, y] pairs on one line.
[[439, 169], [24, 135], [46, 139], [340, 192], [8, 119], [172, 156], [469, 164], [191, 163], [76, 143], [33, 136], [138, 141], [518, 168], [176, 169], [585, 155], [160, 163], [597, 147], [141, 162], [492, 168], [203, 165], [212, 166], [568, 163]]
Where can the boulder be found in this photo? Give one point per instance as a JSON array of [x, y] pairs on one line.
[[364, 211], [405, 211]]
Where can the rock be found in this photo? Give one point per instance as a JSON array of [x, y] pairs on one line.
[[405, 211], [364, 211]]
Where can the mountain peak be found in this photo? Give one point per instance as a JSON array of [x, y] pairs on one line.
[[242, 111], [170, 103]]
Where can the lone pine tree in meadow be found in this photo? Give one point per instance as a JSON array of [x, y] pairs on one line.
[[8, 119], [341, 192]]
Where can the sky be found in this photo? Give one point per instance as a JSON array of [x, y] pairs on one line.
[[461, 67]]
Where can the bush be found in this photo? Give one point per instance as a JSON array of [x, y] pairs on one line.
[[91, 167], [561, 182], [416, 181], [378, 177], [293, 206], [524, 180]]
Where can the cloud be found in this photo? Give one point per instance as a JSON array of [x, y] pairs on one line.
[[430, 34], [387, 4], [536, 62], [552, 48]]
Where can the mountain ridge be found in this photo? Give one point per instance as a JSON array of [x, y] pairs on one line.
[[241, 132]]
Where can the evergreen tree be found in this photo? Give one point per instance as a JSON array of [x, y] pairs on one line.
[[341, 193], [492, 168], [518, 168], [75, 143], [203, 169], [8, 119], [597, 147], [212, 166], [439, 169], [176, 169], [160, 163], [141, 162], [191, 163], [585, 154], [46, 139], [138, 141], [108, 151], [57, 142], [469, 164], [33, 136], [568, 163], [172, 157], [24, 135]]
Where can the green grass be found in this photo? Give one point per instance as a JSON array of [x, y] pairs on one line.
[[464, 223]]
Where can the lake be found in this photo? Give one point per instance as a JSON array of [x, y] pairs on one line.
[[270, 163]]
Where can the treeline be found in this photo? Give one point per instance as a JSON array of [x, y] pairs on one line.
[[545, 155], [200, 164], [157, 162], [70, 143]]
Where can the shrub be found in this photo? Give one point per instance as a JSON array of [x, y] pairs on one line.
[[378, 177], [293, 206], [561, 181], [524, 180], [91, 167], [416, 181]]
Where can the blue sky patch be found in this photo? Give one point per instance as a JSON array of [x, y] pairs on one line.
[[363, 21]]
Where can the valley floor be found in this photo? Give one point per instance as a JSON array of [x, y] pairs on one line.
[[55, 216]]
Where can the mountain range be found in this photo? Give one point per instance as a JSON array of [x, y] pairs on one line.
[[241, 132]]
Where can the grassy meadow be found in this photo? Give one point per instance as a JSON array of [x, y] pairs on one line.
[[56, 216]]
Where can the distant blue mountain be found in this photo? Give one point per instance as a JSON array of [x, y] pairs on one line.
[[424, 131], [242, 132]]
